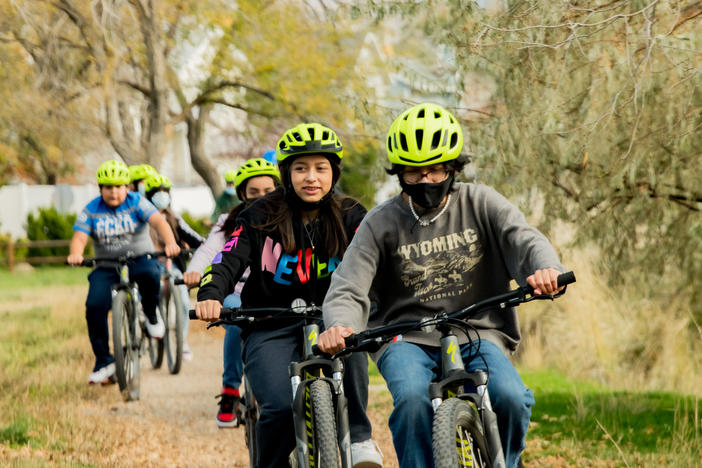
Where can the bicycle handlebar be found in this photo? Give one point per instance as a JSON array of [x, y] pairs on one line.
[[243, 315], [120, 260], [371, 340]]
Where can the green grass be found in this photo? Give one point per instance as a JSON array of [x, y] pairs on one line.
[[631, 427], [43, 276]]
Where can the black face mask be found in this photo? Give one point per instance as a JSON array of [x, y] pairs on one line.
[[427, 195]]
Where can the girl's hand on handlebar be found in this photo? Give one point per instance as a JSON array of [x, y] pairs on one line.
[[208, 310], [191, 278], [544, 281], [332, 339]]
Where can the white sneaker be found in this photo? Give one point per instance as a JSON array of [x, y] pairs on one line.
[[102, 375], [366, 454], [156, 330], [187, 352]]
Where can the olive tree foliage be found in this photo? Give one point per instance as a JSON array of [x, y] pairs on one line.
[[144, 66], [42, 127], [597, 117]]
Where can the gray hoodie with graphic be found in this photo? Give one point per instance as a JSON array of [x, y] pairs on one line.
[[469, 253]]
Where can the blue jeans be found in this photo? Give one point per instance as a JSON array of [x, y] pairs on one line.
[[145, 272], [233, 365], [409, 368]]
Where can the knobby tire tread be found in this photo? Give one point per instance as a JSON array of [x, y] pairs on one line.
[[324, 424], [453, 414]]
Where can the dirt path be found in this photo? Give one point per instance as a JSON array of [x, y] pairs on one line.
[[173, 424]]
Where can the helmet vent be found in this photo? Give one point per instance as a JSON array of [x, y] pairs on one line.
[[420, 114], [419, 135], [389, 142], [435, 139], [403, 142], [325, 136], [310, 131], [437, 115], [297, 136], [454, 139]]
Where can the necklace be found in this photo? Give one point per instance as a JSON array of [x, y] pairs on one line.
[[310, 232], [427, 223]]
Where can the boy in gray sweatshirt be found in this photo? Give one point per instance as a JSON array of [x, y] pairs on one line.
[[437, 247]]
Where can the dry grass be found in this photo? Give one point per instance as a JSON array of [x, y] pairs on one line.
[[612, 336]]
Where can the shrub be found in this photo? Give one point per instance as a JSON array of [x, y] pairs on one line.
[[49, 224], [198, 224]]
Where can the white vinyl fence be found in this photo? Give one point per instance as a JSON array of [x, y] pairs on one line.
[[17, 201]]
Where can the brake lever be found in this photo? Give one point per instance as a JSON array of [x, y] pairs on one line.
[[215, 324]]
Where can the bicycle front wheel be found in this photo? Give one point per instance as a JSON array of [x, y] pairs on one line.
[[458, 439], [172, 310], [324, 424], [125, 345]]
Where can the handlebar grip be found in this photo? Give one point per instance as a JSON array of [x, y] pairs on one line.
[[192, 314], [178, 281], [566, 278]]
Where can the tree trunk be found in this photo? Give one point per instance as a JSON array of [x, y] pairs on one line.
[[198, 158]]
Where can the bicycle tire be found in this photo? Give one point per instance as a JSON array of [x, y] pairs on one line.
[[324, 424], [251, 412], [172, 311], [125, 346], [155, 352], [458, 439]]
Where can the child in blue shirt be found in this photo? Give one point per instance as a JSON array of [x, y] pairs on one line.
[[117, 222]]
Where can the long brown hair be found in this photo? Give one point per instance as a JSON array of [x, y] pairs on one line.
[[280, 217]]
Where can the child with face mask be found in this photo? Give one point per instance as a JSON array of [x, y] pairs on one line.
[[158, 192]]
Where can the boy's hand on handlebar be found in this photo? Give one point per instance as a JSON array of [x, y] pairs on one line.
[[191, 278], [172, 249], [74, 259], [332, 340], [208, 310], [544, 281]]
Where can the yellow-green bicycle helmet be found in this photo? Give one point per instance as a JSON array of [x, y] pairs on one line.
[[229, 176], [308, 138], [141, 171], [254, 168], [113, 172], [156, 182], [424, 134]]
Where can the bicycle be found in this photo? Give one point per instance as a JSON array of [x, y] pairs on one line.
[[129, 334], [464, 430], [172, 311], [319, 405]]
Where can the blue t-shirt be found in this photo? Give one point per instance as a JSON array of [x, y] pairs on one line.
[[118, 231]]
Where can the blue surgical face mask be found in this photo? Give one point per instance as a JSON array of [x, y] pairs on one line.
[[161, 200], [230, 191], [141, 188]]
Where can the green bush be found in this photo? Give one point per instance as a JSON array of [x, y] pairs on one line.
[[198, 224], [49, 224]]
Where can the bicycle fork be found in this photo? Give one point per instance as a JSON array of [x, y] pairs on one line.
[[453, 378], [302, 375]]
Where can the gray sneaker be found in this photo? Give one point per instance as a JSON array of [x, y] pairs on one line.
[[366, 454]]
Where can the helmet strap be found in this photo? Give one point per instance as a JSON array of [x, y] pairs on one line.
[[428, 195]]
